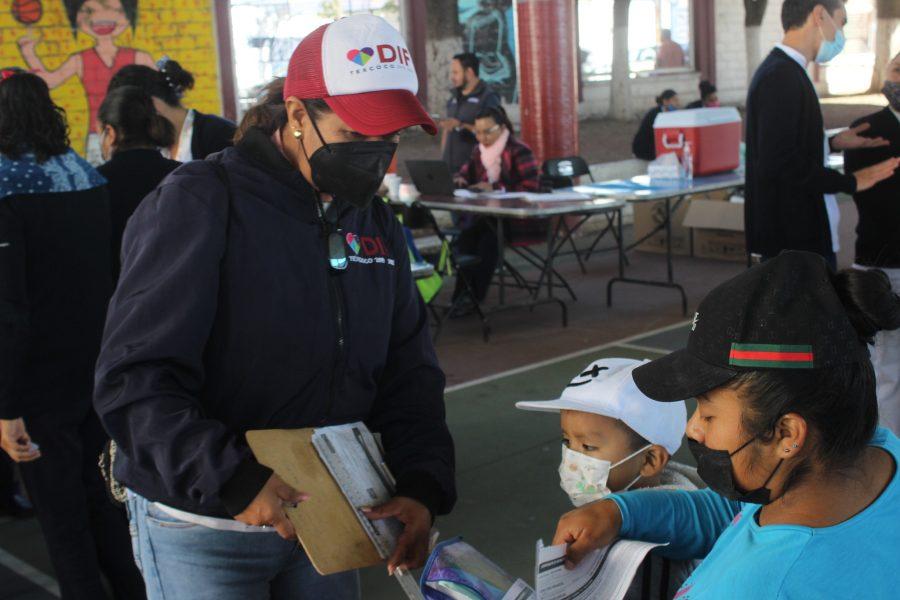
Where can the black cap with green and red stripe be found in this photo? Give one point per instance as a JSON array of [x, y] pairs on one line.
[[782, 314]]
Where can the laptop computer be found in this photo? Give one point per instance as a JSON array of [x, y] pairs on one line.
[[431, 177]]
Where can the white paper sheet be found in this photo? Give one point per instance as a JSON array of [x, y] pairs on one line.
[[529, 196], [605, 573], [556, 197]]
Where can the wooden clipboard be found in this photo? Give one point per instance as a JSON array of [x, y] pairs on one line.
[[328, 528]]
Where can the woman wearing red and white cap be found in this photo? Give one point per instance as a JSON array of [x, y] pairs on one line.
[[262, 288]]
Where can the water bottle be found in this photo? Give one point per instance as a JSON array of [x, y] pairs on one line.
[[687, 160]]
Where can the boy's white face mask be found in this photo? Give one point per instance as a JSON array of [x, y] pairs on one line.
[[584, 478]]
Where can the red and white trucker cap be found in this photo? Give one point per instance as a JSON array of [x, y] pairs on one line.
[[361, 67]]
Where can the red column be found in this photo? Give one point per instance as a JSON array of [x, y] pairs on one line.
[[414, 29], [226, 60], [705, 39], [548, 76]]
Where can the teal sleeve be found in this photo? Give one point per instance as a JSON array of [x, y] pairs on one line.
[[690, 522]]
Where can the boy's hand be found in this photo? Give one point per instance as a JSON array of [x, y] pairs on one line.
[[588, 528]]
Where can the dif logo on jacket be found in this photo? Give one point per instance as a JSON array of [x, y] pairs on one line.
[[368, 250]]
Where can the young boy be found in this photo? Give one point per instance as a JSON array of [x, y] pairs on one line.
[[614, 439]]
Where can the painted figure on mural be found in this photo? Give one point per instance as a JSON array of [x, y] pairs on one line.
[[488, 34], [104, 21]]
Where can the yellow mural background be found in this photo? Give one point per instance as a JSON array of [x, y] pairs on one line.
[[182, 29]]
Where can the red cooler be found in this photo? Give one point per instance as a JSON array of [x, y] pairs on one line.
[[714, 135]]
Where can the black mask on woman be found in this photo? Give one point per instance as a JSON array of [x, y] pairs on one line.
[[716, 470], [350, 171]]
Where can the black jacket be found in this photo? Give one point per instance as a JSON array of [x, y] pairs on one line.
[[786, 179], [644, 144], [460, 143], [211, 134], [54, 285], [130, 176], [227, 317], [878, 231]]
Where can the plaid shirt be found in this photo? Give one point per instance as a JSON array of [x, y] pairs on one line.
[[518, 168]]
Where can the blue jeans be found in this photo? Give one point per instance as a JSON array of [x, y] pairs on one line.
[[183, 561]]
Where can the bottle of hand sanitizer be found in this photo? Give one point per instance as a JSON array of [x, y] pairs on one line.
[[687, 161]]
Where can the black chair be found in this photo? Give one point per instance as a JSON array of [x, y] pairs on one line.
[[562, 172], [457, 262], [565, 170]]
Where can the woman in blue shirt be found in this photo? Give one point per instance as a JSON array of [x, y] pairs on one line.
[[804, 498]]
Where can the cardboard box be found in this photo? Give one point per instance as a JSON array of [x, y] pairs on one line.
[[718, 229], [649, 215]]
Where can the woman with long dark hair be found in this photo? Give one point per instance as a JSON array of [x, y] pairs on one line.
[[263, 288], [197, 135], [131, 134], [804, 489], [54, 286], [643, 145]]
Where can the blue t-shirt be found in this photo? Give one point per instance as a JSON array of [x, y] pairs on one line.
[[859, 558]]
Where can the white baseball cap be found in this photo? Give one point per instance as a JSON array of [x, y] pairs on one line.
[[361, 67], [607, 388]]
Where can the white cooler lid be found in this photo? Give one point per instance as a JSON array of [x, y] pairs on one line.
[[697, 117]]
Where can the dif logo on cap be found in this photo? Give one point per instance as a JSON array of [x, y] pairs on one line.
[[362, 68], [363, 54], [386, 54]]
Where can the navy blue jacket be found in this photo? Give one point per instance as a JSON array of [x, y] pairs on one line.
[[227, 317], [786, 178]]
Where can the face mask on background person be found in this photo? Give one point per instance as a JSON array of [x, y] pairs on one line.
[[350, 171], [584, 478], [831, 48], [891, 91]]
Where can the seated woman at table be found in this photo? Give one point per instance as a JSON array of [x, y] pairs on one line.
[[499, 162], [644, 144]]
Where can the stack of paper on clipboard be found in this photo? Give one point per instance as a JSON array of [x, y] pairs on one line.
[[342, 469]]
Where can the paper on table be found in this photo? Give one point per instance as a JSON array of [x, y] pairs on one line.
[[605, 573], [489, 195], [555, 197], [529, 196]]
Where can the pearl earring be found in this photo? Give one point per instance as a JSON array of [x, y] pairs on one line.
[[298, 134]]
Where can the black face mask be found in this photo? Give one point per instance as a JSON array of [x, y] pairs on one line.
[[716, 470], [350, 171]]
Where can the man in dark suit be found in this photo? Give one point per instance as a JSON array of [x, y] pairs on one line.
[[878, 236], [786, 180]]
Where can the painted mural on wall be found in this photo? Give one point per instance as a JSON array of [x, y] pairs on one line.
[[489, 32], [78, 45]]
